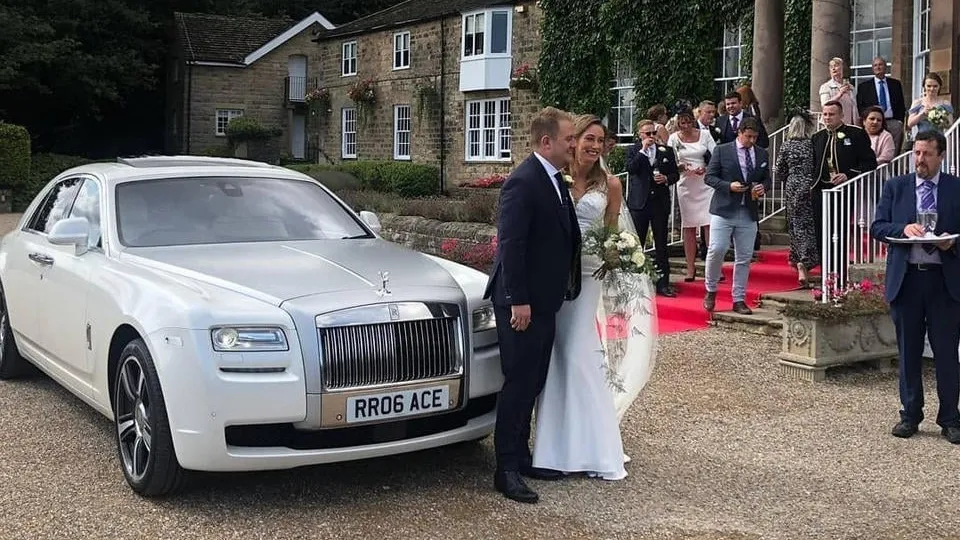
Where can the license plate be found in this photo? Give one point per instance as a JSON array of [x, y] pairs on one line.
[[398, 404]]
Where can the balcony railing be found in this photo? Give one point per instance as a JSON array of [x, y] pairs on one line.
[[295, 89]]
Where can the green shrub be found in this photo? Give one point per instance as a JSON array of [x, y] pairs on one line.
[[44, 167], [480, 207], [400, 177], [14, 157], [368, 173], [245, 128], [617, 160], [328, 175], [411, 180], [220, 150]]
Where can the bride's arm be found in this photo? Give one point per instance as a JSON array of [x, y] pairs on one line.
[[611, 214]]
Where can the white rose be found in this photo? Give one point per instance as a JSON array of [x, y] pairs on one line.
[[609, 244], [639, 258]]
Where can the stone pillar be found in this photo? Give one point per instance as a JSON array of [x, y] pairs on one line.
[[830, 36], [944, 36], [767, 72]]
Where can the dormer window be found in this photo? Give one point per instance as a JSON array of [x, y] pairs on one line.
[[487, 32]]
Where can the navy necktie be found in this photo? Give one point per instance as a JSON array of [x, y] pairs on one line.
[[883, 95]]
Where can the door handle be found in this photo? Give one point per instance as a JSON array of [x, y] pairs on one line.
[[41, 259]]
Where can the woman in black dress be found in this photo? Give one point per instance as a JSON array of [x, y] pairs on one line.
[[794, 168]]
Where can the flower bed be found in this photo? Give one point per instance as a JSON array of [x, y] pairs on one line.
[[472, 244]]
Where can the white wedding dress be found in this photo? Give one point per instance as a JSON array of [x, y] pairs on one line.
[[594, 376]]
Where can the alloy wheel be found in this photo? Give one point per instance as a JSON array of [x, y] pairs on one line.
[[133, 418]]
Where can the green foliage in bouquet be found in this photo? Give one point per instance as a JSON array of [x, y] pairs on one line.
[[617, 250]]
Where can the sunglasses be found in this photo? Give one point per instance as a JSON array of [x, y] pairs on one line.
[[648, 133]]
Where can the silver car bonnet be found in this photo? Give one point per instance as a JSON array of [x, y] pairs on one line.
[[280, 271]]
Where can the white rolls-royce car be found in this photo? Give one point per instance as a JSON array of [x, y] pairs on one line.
[[230, 315]]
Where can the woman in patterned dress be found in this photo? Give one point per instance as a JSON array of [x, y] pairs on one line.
[[794, 168]]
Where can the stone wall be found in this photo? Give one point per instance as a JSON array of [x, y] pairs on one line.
[[257, 89], [435, 51], [428, 235]]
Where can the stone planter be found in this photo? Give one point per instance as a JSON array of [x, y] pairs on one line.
[[810, 346]]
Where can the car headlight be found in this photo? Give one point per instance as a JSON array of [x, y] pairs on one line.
[[484, 319], [239, 339]]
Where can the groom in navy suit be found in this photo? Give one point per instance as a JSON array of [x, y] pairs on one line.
[[535, 269], [923, 283]]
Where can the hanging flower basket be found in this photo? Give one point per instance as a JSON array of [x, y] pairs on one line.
[[318, 100], [524, 78], [364, 95]]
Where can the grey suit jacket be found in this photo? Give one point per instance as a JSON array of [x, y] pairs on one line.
[[724, 169]]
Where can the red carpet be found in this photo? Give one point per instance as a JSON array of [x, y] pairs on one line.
[[771, 273]]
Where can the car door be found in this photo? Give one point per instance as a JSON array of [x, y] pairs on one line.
[[66, 285], [27, 264]]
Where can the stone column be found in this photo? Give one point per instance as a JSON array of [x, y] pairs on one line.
[[767, 71], [830, 36]]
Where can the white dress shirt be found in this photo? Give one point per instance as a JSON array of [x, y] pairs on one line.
[[551, 172]]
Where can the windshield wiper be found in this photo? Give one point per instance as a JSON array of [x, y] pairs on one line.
[[355, 237]]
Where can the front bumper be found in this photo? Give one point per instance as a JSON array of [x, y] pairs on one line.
[[227, 421]]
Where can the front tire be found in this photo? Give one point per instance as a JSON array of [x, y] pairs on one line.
[[12, 365], [144, 443]]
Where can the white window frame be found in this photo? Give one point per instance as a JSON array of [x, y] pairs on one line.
[[921, 45], [492, 119], [402, 132], [487, 32], [729, 80], [226, 115], [348, 133], [624, 96], [863, 72], [348, 59], [401, 50]]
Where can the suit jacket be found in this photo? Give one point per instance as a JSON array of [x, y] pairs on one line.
[[713, 130], [897, 209], [728, 134], [640, 186], [538, 243], [724, 169], [867, 96], [852, 153]]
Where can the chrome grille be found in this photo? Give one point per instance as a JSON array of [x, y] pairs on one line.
[[385, 353]]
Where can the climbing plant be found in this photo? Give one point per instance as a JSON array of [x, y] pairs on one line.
[[670, 46], [796, 54]]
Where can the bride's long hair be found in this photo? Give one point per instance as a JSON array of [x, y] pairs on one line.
[[596, 176]]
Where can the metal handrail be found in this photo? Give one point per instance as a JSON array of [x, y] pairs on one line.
[[849, 210]]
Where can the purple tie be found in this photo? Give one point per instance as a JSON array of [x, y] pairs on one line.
[[736, 123]]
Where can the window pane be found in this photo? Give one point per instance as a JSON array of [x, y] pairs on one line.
[[731, 65], [884, 12], [885, 49], [498, 32], [863, 14], [864, 54], [55, 205]]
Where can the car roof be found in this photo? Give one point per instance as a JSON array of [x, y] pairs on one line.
[[153, 167]]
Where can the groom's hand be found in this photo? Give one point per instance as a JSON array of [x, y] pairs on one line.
[[520, 317]]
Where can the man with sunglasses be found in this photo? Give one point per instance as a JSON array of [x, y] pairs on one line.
[[652, 169]]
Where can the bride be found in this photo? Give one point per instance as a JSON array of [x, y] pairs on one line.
[[600, 361]]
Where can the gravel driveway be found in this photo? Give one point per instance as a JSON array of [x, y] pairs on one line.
[[722, 448]]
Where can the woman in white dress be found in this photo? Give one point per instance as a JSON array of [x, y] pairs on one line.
[[692, 145], [594, 375]]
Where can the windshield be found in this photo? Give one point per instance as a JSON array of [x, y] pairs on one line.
[[181, 211]]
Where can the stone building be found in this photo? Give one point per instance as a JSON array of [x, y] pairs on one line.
[[224, 67]]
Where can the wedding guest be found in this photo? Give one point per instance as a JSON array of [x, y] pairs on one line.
[[692, 147], [918, 120], [729, 123], [658, 115], [794, 170], [840, 90], [887, 93], [739, 174], [706, 119], [923, 283], [881, 140], [749, 100]]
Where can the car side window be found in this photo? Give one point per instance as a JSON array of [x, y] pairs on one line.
[[87, 205], [54, 206]]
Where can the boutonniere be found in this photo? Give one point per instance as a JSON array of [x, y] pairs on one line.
[[567, 179], [662, 149], [764, 164], [841, 135]]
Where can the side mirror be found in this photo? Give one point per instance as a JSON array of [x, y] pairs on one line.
[[71, 232], [371, 220]]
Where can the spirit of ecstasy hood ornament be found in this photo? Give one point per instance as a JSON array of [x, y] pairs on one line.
[[384, 284]]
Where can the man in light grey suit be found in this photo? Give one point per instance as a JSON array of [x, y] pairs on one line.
[[739, 173]]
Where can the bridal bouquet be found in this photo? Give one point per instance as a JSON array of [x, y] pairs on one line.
[[617, 250], [939, 117]]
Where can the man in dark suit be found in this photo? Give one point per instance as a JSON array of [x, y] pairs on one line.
[[739, 173], [729, 123], [886, 93], [652, 169], [840, 153], [535, 268], [923, 283]]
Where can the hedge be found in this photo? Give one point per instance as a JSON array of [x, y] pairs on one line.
[[44, 168], [404, 179], [14, 156]]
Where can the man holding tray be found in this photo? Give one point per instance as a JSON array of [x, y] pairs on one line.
[[919, 215]]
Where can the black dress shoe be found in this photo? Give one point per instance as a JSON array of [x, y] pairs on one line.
[[513, 487], [952, 433], [905, 430], [538, 473], [669, 292], [741, 308], [710, 301]]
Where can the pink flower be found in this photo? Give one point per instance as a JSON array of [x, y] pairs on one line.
[[866, 285], [817, 294], [448, 245]]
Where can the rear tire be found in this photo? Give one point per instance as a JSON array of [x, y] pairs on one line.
[[12, 365], [144, 443]]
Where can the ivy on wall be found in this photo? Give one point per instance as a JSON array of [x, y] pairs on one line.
[[796, 54], [671, 47]]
